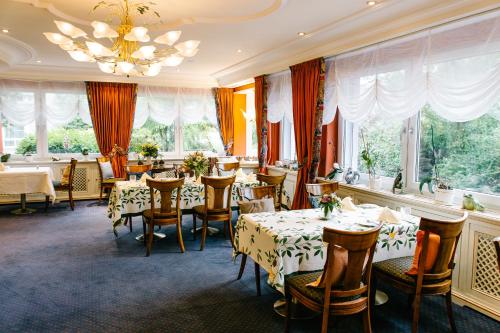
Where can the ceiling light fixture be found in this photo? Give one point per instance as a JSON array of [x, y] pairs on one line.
[[38, 61], [125, 55], [239, 50], [371, 3], [301, 34], [5, 31]]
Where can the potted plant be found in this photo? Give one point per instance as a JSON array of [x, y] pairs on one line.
[[370, 161], [149, 150], [328, 203], [437, 185], [4, 158], [196, 162], [336, 173], [85, 153]]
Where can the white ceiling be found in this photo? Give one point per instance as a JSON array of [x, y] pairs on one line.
[[265, 31]]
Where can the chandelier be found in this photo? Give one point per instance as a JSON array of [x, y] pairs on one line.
[[124, 54]]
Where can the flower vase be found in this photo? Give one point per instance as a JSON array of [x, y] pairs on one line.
[[327, 214], [197, 174], [85, 157], [148, 159]]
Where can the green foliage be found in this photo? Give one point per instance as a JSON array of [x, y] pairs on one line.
[[152, 131], [27, 145], [149, 149], [369, 158]]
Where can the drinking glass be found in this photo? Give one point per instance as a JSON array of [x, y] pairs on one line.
[[133, 177]]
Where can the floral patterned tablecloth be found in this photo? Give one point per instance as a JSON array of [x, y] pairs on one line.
[[287, 242], [132, 197]]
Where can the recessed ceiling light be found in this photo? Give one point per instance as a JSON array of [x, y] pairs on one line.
[[301, 34], [38, 61], [371, 3], [239, 50], [5, 31], [177, 70]]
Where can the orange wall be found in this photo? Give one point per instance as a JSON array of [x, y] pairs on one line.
[[240, 136]]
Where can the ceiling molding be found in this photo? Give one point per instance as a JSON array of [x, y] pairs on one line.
[[330, 42], [275, 6], [54, 73], [13, 52]]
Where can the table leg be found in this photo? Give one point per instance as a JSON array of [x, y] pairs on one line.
[[211, 231], [156, 236], [298, 310], [23, 210]]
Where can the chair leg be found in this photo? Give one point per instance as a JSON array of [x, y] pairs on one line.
[[416, 313], [203, 233], [194, 226], [288, 311], [225, 231], [231, 234], [144, 231], [257, 278], [242, 265], [367, 326], [449, 307], [100, 195], [373, 289], [71, 202], [324, 323], [179, 236], [151, 230], [47, 199], [130, 223]]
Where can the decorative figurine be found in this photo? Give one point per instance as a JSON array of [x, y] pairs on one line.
[[470, 203], [398, 182], [336, 173], [351, 177]]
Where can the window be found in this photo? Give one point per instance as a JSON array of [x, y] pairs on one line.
[[201, 136], [468, 152], [72, 138], [383, 138], [288, 151], [251, 125], [163, 135]]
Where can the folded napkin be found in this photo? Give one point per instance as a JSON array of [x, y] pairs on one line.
[[240, 174], [144, 177], [2, 167], [347, 204], [388, 216], [251, 177]]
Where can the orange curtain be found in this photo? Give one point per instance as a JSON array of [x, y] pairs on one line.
[[307, 93], [224, 102], [329, 146], [273, 143], [112, 108], [261, 119]]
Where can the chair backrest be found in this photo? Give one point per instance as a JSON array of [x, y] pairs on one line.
[[221, 186], [449, 233], [359, 245], [162, 169], [72, 171], [322, 188], [275, 181], [226, 166], [165, 187], [497, 248], [257, 192]]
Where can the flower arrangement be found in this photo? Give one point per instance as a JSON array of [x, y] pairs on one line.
[[328, 203], [85, 151], [149, 149], [197, 162]]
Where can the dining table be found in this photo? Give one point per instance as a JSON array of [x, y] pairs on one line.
[[289, 242], [131, 198], [24, 180]]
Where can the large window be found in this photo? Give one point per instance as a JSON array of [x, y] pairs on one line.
[[72, 138], [468, 153], [201, 136], [288, 151], [151, 131]]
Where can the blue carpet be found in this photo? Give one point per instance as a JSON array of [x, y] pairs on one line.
[[65, 271]]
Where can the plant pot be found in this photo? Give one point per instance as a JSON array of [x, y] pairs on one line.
[[444, 196], [85, 157], [148, 159], [375, 183], [29, 158]]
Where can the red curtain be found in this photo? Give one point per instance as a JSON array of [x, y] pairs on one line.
[[224, 102], [273, 142], [308, 93], [261, 119], [329, 147], [112, 108]]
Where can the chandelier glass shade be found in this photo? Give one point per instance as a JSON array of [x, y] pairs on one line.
[[120, 52]]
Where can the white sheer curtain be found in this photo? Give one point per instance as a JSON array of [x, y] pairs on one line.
[[455, 68], [165, 105], [64, 101], [18, 101], [279, 97]]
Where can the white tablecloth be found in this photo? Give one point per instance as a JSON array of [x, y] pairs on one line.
[[27, 180], [287, 242]]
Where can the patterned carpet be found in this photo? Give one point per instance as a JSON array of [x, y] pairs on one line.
[[65, 271]]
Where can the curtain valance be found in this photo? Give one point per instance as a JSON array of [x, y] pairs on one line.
[[455, 68], [279, 97]]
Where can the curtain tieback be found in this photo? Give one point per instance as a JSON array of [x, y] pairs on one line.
[[117, 151]]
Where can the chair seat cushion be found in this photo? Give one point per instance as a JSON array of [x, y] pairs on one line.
[[396, 268], [200, 210], [299, 282]]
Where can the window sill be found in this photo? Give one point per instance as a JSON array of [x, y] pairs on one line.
[[422, 201]]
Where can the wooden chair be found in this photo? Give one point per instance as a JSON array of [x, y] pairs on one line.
[[276, 182], [223, 167], [255, 193], [108, 182], [58, 186], [222, 192], [497, 247], [322, 188], [435, 282], [166, 214], [351, 296], [162, 169]]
